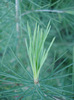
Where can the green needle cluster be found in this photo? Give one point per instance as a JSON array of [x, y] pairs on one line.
[[36, 51]]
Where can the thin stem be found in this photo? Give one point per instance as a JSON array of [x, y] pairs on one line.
[[17, 14], [44, 10], [73, 72], [17, 25]]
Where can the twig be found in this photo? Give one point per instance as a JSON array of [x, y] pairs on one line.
[[17, 15], [44, 10], [17, 25]]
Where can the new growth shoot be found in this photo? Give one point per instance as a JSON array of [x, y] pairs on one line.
[[36, 51]]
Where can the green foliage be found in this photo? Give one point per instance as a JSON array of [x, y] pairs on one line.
[[37, 53], [54, 70]]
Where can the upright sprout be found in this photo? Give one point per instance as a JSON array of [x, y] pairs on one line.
[[36, 52]]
